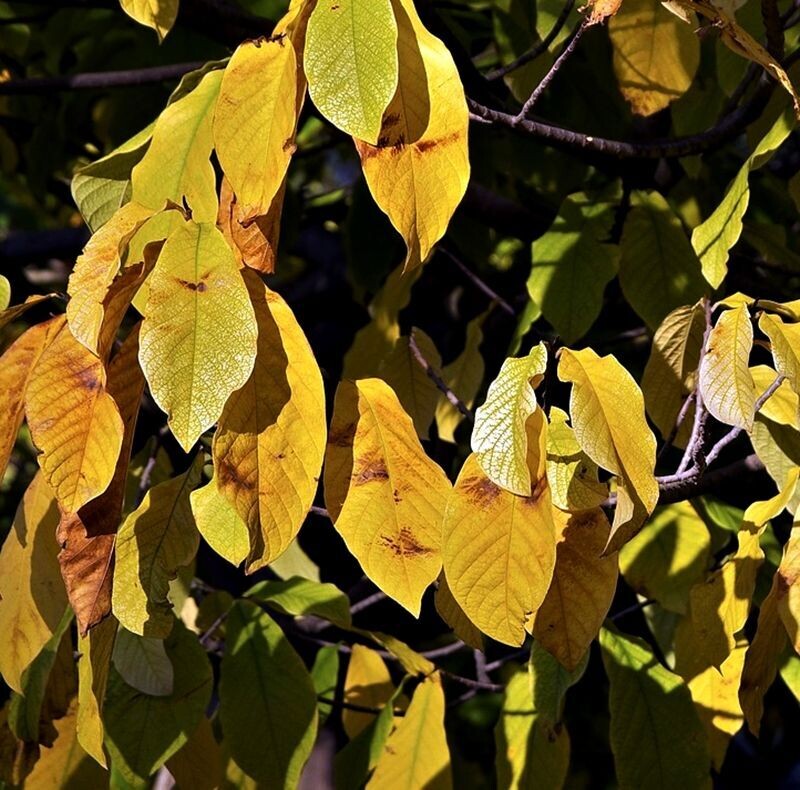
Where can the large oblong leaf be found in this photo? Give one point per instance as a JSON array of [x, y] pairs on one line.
[[385, 496], [268, 706], [726, 383], [254, 121], [350, 61], [199, 335], [607, 410], [499, 439], [417, 167]]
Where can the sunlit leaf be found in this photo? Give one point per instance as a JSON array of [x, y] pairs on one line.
[[366, 684], [159, 15], [304, 597]]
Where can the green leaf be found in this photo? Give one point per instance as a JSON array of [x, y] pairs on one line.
[[325, 676], [713, 239], [668, 556], [155, 540], [656, 737], [302, 597], [143, 732], [199, 312], [268, 705], [351, 63], [658, 269], [143, 663], [499, 439], [103, 186]]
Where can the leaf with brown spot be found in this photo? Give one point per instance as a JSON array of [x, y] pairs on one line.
[[16, 367], [385, 496], [583, 586], [73, 421], [32, 595], [87, 537], [270, 441], [500, 548]]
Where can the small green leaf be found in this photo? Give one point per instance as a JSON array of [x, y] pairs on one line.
[[303, 597], [143, 663]]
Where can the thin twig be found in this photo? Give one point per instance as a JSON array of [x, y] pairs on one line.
[[687, 405], [340, 703], [637, 607], [437, 379], [365, 603], [473, 684], [478, 282], [320, 511], [537, 50], [527, 108]]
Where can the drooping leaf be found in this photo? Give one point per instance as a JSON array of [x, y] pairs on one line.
[[783, 406], [669, 375], [143, 732], [571, 473], [655, 55], [73, 420], [658, 269], [366, 684], [785, 342], [87, 537], [416, 753], [415, 390], [351, 63], [668, 556], [16, 368], [159, 15], [32, 595], [572, 266], [385, 496], [607, 410], [304, 597], [725, 381], [787, 588], [155, 540], [254, 121], [143, 663], [268, 705], [198, 763], [198, 311], [220, 524], [455, 617], [499, 548], [583, 586], [325, 676], [656, 736], [499, 438], [712, 240], [177, 164], [463, 376], [416, 163]]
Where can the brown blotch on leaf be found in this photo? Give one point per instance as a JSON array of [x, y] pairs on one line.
[[426, 145], [88, 380], [405, 544], [537, 491], [371, 470], [288, 145], [200, 287], [229, 474], [481, 490]]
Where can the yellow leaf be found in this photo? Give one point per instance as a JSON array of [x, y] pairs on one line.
[[464, 376], [499, 550], [160, 15], [255, 120], [16, 367], [608, 418], [668, 556], [719, 605], [219, 523], [785, 341], [571, 473], [412, 385], [94, 665], [199, 335], [783, 406], [96, 269], [455, 617], [351, 63], [602, 10], [32, 595], [177, 164], [583, 586], [416, 754], [155, 540], [73, 421], [726, 384], [65, 764], [499, 439], [419, 169], [670, 372], [377, 339], [385, 496], [788, 589], [367, 684], [270, 442], [655, 55]]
